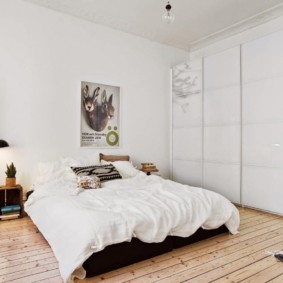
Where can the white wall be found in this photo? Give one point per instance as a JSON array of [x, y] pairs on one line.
[[44, 55], [240, 38]]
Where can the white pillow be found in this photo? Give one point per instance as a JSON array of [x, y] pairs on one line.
[[125, 168], [56, 170], [47, 171], [59, 170]]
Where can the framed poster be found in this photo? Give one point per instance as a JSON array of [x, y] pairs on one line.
[[100, 115]]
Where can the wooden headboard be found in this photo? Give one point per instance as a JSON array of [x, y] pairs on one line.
[[112, 158]]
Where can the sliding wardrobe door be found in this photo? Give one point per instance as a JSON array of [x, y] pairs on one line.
[[262, 175], [187, 123], [222, 123]]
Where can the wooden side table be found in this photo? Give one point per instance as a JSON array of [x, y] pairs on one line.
[[149, 170], [12, 196]]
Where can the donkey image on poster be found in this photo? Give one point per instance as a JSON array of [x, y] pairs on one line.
[[99, 109]]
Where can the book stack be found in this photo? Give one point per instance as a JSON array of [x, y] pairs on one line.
[[9, 211], [148, 167]]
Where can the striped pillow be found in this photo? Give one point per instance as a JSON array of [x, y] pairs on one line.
[[103, 172]]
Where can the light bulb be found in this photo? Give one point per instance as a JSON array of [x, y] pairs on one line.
[[168, 17]]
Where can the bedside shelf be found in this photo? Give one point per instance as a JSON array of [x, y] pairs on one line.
[[12, 196]]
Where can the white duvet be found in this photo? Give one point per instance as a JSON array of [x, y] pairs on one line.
[[79, 223]]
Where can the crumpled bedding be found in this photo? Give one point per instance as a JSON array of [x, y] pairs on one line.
[[77, 223]]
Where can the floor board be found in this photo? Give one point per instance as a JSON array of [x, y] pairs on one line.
[[25, 256]]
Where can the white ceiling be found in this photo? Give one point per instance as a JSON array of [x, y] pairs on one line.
[[197, 22]]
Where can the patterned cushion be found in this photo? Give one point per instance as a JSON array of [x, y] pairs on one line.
[[103, 172], [125, 168], [89, 182]]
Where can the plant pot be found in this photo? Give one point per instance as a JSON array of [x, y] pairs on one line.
[[10, 182]]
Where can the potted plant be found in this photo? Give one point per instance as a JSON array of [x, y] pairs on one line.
[[11, 175]]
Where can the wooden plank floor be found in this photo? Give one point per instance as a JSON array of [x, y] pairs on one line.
[[25, 256]]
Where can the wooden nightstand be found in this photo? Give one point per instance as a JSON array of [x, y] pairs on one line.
[[10, 196], [149, 171]]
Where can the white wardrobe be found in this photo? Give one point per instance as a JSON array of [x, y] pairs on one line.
[[228, 123]]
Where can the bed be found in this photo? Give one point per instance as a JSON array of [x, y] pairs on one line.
[[131, 218]]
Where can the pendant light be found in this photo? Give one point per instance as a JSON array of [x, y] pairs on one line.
[[168, 17]]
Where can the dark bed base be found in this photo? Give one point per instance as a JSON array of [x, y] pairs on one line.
[[126, 253]]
